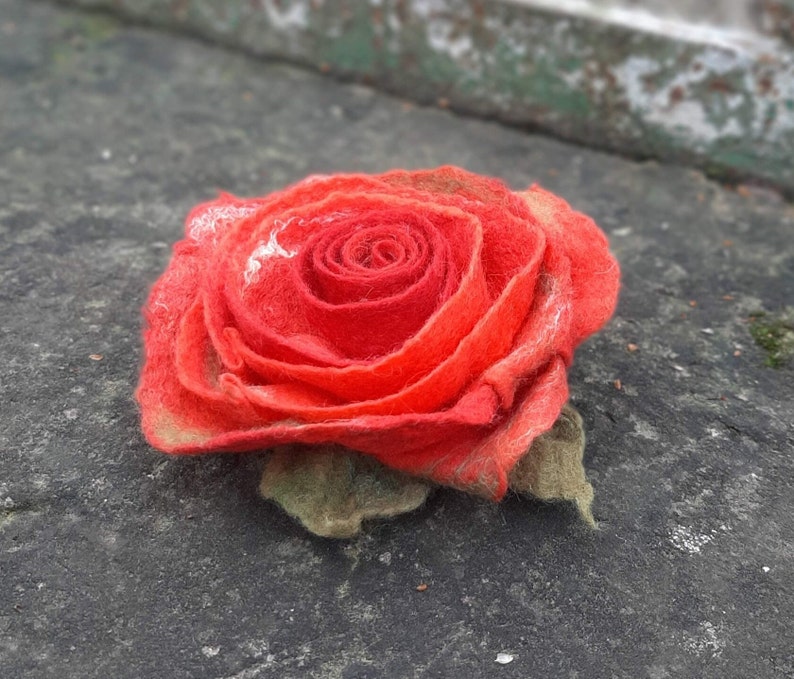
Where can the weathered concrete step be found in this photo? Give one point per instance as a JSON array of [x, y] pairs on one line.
[[721, 99]]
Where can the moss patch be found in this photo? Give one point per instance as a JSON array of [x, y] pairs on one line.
[[775, 335]]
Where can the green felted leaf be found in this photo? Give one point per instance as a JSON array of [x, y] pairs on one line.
[[331, 490], [552, 469]]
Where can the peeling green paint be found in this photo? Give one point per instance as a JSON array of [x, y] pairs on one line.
[[777, 16], [547, 84], [722, 103], [354, 51]]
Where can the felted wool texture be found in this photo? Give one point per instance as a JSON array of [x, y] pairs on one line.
[[331, 490], [552, 469], [425, 318]]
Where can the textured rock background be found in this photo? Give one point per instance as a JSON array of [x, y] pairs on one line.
[[120, 562]]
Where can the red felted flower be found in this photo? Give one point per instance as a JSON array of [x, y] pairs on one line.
[[424, 318]]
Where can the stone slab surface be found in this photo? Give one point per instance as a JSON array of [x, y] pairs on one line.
[[117, 561]]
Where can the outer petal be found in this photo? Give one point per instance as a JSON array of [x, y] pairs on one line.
[[595, 274], [470, 446], [160, 391]]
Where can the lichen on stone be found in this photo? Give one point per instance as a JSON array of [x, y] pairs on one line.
[[774, 333]]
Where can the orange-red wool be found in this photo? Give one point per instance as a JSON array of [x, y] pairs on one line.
[[426, 318]]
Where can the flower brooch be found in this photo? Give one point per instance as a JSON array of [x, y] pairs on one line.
[[379, 335]]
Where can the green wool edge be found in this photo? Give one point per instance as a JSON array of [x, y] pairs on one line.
[[332, 490], [553, 468]]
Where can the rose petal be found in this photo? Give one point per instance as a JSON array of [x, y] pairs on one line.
[[171, 414], [546, 332], [457, 447], [595, 275]]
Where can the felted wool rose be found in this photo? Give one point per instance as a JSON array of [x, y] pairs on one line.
[[423, 318]]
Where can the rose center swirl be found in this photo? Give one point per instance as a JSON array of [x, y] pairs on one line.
[[368, 286], [371, 263]]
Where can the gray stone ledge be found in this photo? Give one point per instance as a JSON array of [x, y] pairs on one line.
[[622, 80]]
